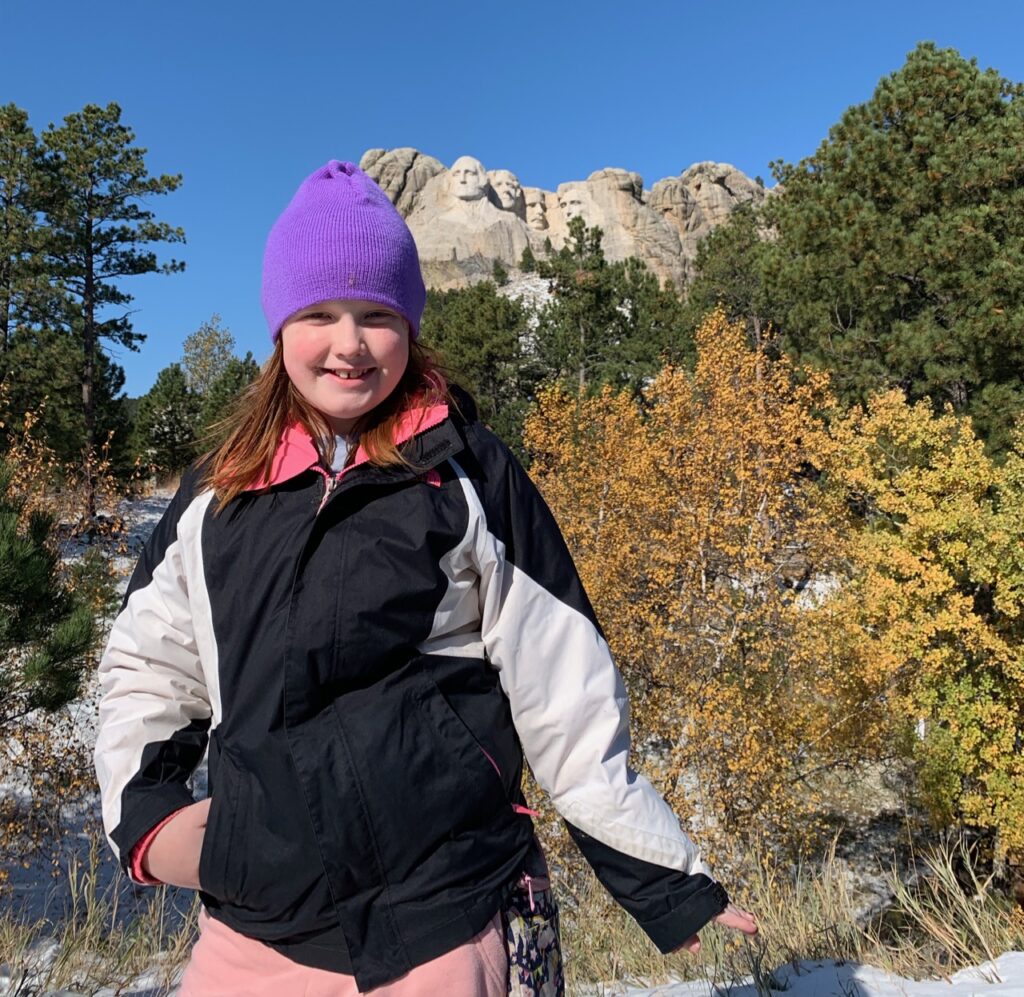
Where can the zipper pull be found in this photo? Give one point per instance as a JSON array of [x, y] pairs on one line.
[[528, 879], [329, 483], [520, 809]]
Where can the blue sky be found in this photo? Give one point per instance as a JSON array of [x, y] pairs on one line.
[[246, 99]]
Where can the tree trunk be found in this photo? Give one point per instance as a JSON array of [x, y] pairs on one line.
[[756, 319], [88, 373], [6, 282], [761, 517], [583, 365], [5, 311]]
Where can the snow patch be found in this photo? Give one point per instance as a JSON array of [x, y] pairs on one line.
[[1003, 977]]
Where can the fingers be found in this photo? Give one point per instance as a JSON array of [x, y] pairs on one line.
[[692, 944], [738, 919]]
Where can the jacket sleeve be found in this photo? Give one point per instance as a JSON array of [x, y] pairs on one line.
[[571, 711], [155, 712]]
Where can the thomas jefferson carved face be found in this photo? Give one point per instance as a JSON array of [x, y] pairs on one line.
[[467, 179], [505, 184]]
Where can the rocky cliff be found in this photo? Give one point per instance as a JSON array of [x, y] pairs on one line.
[[465, 217]]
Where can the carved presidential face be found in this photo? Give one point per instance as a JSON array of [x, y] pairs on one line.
[[572, 200], [506, 185], [536, 208], [467, 179]]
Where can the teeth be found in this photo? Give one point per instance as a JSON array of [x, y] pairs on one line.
[[348, 375]]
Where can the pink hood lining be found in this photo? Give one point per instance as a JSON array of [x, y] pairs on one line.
[[296, 451]]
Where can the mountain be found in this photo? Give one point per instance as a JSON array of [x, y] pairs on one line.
[[464, 217]]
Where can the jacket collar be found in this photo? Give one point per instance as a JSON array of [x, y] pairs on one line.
[[296, 451]]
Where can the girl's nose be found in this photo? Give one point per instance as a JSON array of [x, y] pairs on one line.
[[347, 340]]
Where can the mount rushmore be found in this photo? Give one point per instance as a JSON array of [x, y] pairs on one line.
[[464, 217]]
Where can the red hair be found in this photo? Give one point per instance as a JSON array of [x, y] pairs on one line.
[[249, 435]]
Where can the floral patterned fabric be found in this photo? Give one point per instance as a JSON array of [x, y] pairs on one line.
[[534, 945]]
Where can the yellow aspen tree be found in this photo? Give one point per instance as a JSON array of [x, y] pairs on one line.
[[697, 532], [933, 614]]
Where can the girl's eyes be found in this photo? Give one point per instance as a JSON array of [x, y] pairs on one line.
[[376, 316]]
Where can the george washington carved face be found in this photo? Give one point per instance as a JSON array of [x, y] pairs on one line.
[[467, 179]]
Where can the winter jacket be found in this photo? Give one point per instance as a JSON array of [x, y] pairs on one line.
[[368, 655]]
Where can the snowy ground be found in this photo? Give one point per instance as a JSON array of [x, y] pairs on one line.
[[33, 893], [1002, 978]]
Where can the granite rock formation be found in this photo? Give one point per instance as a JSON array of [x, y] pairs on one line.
[[401, 174], [465, 217]]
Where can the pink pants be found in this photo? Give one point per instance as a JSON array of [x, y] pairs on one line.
[[226, 963]]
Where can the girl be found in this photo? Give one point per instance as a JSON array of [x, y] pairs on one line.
[[360, 603]]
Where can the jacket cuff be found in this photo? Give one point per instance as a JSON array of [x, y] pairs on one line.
[[670, 905], [138, 854], [146, 811], [670, 930]]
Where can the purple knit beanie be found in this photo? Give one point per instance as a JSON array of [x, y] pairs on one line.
[[340, 237]]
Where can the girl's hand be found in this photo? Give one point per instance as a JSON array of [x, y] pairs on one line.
[[731, 917], [173, 855]]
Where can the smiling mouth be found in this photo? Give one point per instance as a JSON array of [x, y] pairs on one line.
[[349, 375]]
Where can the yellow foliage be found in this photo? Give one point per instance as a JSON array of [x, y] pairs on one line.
[[934, 612], [786, 598], [694, 529], [59, 490]]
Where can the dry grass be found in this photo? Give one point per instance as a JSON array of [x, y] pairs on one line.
[[95, 943], [946, 919]]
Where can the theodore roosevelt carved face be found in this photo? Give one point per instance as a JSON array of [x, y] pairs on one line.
[[536, 208]]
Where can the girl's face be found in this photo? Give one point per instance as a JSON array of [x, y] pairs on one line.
[[345, 356]]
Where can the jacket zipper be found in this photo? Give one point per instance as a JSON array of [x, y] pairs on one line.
[[517, 807], [330, 482]]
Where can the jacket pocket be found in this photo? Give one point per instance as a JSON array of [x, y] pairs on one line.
[[218, 839], [476, 761]]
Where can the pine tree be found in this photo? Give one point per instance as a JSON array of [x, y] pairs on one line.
[[216, 402], [165, 427], [606, 323], [581, 320], [480, 335], [654, 330], [528, 262], [45, 630], [26, 296], [96, 179], [729, 272], [44, 377], [899, 260]]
